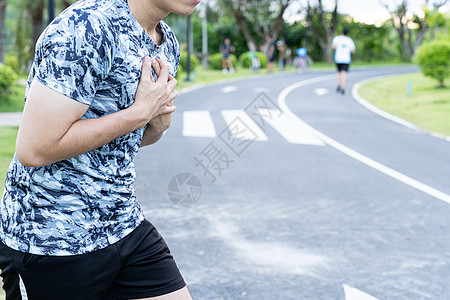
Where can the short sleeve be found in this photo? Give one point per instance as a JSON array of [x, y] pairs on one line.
[[176, 49], [75, 57]]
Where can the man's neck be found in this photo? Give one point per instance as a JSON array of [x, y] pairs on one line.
[[148, 15]]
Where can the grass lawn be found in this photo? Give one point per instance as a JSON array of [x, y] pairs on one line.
[[427, 106], [7, 148], [14, 101]]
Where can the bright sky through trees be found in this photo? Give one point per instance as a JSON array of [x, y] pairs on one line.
[[367, 11]]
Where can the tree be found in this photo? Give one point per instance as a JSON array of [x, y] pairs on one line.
[[35, 10], [2, 30], [411, 29], [323, 26], [257, 17]]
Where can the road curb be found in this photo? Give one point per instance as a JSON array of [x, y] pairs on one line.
[[10, 119], [387, 115]]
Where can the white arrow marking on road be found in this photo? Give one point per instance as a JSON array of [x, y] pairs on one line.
[[354, 154], [292, 130], [321, 91], [261, 90], [198, 123], [355, 294], [232, 115], [229, 89]]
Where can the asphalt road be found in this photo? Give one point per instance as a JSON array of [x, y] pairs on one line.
[[322, 200]]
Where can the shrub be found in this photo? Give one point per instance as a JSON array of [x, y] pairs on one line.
[[245, 59], [183, 60], [178, 75], [7, 78], [434, 60], [13, 62], [215, 61]]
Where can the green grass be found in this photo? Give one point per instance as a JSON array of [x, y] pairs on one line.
[[7, 148], [14, 100], [427, 106]]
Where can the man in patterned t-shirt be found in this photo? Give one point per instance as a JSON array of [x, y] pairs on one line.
[[101, 86]]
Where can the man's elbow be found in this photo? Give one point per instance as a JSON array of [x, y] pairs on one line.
[[29, 158]]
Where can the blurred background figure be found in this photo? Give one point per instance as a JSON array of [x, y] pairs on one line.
[[255, 62], [271, 54], [281, 49], [227, 49], [302, 62], [344, 47]]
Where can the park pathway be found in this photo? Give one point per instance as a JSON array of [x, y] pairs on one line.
[[287, 190]]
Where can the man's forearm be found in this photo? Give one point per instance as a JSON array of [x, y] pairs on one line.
[[82, 136], [150, 136]]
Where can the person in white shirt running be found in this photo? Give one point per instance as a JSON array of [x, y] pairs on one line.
[[344, 47]]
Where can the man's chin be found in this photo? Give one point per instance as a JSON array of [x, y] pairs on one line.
[[185, 12]]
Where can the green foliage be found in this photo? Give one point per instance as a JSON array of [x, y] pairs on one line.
[[7, 148], [245, 60], [434, 60], [215, 61], [183, 60], [7, 78], [12, 62], [180, 69], [372, 42]]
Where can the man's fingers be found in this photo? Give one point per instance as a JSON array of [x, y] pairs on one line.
[[172, 96], [146, 71], [169, 109], [172, 83], [164, 72], [166, 110]]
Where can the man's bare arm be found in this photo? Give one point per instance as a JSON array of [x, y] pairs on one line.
[[51, 129]]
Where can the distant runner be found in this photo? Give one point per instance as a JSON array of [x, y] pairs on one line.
[[343, 46]]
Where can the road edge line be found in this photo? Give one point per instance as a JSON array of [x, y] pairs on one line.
[[354, 154], [387, 115]]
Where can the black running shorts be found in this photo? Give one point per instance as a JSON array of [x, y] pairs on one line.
[[342, 67], [138, 266]]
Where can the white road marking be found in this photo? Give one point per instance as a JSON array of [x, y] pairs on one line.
[[387, 115], [291, 129], [198, 123], [232, 115], [261, 90], [321, 91], [354, 154], [229, 89], [355, 294]]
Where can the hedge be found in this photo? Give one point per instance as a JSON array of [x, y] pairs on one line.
[[7, 78], [215, 61], [183, 61], [245, 60]]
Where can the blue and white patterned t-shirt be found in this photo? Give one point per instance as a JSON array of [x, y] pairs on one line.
[[92, 53]]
